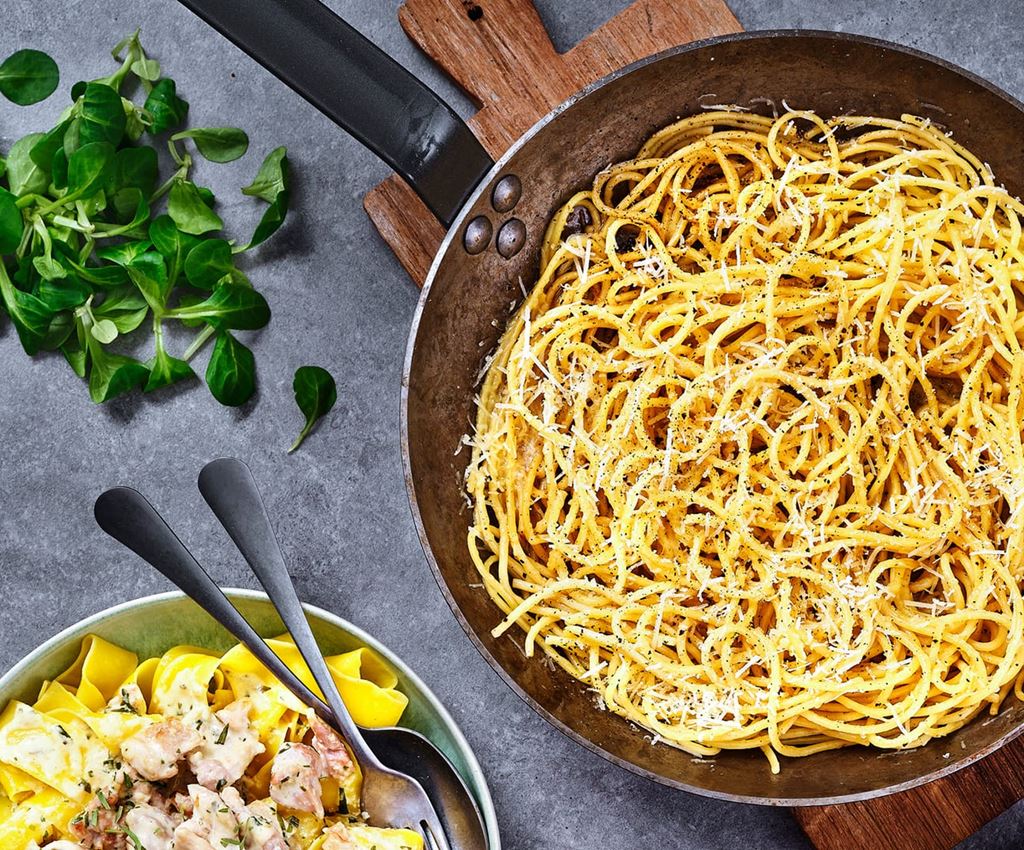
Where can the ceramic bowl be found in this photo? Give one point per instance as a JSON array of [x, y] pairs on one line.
[[151, 625]]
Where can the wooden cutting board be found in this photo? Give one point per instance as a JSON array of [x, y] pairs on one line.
[[492, 49]]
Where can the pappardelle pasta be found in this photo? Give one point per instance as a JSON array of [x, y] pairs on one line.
[[748, 460], [192, 750]]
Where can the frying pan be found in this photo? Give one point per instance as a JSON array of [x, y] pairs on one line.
[[496, 215]]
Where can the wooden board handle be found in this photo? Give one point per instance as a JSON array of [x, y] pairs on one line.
[[499, 53], [936, 816]]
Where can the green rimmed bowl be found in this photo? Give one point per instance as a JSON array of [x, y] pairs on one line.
[[151, 625]]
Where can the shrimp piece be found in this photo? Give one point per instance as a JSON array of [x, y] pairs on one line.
[[295, 779], [129, 699], [331, 748], [260, 827], [338, 838], [156, 750], [212, 825], [229, 744], [154, 828]]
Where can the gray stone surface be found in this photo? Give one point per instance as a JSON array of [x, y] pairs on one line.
[[342, 301]]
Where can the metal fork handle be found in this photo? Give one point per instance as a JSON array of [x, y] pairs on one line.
[[129, 518], [230, 490]]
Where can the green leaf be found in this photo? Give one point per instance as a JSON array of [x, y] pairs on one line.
[[136, 168], [125, 253], [103, 118], [231, 372], [170, 241], [229, 306], [62, 325], [166, 109], [75, 355], [272, 185], [12, 224], [272, 178], [131, 209], [113, 374], [90, 168], [124, 306], [28, 76], [189, 212], [166, 238], [272, 219], [59, 169], [208, 262], [93, 203], [31, 317], [48, 268], [315, 394], [47, 145], [136, 121], [24, 176], [146, 69], [63, 293], [149, 273], [71, 141], [165, 370], [105, 276], [104, 331], [217, 144]]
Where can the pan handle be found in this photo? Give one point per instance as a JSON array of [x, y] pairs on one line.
[[356, 84]]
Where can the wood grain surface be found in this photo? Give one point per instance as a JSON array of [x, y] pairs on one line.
[[493, 49], [499, 52], [936, 816]]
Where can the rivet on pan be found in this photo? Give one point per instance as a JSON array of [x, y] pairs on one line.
[[506, 193], [511, 238], [477, 235]]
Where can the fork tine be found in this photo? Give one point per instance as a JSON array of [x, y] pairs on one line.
[[434, 833]]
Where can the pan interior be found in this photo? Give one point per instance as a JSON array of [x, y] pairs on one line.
[[467, 302]]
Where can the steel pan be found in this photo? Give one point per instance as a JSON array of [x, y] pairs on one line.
[[476, 275]]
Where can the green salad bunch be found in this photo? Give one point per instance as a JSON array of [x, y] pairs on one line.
[[96, 243]]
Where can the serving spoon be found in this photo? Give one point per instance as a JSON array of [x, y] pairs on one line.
[[390, 797]]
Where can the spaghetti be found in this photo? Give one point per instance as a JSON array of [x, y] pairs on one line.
[[748, 459]]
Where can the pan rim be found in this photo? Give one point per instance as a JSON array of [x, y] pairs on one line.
[[456, 228]]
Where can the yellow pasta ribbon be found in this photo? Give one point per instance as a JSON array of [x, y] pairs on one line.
[[99, 671]]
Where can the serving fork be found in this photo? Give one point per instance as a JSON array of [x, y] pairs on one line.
[[390, 798]]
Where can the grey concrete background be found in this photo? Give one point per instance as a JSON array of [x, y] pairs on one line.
[[341, 300]]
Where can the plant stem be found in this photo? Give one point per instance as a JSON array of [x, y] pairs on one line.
[[204, 337], [302, 436]]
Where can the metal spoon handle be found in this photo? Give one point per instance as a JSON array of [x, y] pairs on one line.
[[129, 518], [231, 492]]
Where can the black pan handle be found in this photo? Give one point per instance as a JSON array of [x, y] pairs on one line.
[[356, 84]]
